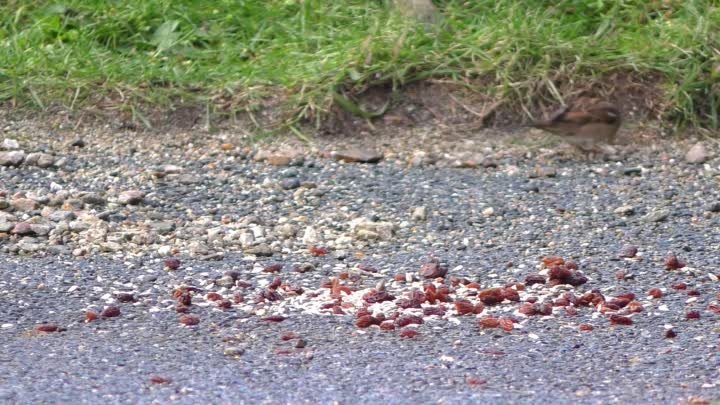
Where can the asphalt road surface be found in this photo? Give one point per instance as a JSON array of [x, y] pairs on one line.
[[336, 230]]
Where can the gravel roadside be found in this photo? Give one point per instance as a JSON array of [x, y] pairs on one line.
[[423, 275]]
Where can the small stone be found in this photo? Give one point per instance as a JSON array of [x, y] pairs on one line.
[[59, 250], [246, 239], [290, 184], [365, 229], [421, 158], [468, 162], [131, 197], [713, 207], [60, 215], [357, 155], [163, 227], [24, 204], [79, 226], [366, 234], [310, 235], [697, 154], [303, 267], [10, 144], [287, 230], [189, 179], [419, 214], [39, 159], [632, 171], [285, 158], [261, 250], [225, 281], [657, 215], [488, 212], [488, 163], [628, 251], [92, 199], [172, 169], [625, 210], [543, 171], [72, 204], [110, 247], [13, 158], [279, 160], [22, 228], [78, 143], [6, 226], [40, 229], [433, 269], [233, 351]]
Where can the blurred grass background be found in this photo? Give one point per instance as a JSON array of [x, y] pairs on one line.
[[227, 54]]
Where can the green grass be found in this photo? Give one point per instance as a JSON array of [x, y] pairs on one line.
[[229, 53]]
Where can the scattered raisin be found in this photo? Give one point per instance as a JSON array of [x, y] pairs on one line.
[[634, 307], [433, 269], [655, 293], [273, 268], [289, 336], [673, 263], [213, 296], [628, 251], [585, 327], [125, 297], [714, 308], [552, 261], [373, 296], [318, 251], [91, 316], [535, 278], [48, 328], [156, 379], [172, 264], [489, 322], [439, 311], [491, 296], [511, 294], [620, 320], [475, 381], [387, 325], [110, 312], [409, 333], [464, 307], [406, 320], [189, 319], [277, 282], [366, 321], [506, 324], [274, 318]]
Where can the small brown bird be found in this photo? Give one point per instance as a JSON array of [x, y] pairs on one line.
[[584, 124]]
